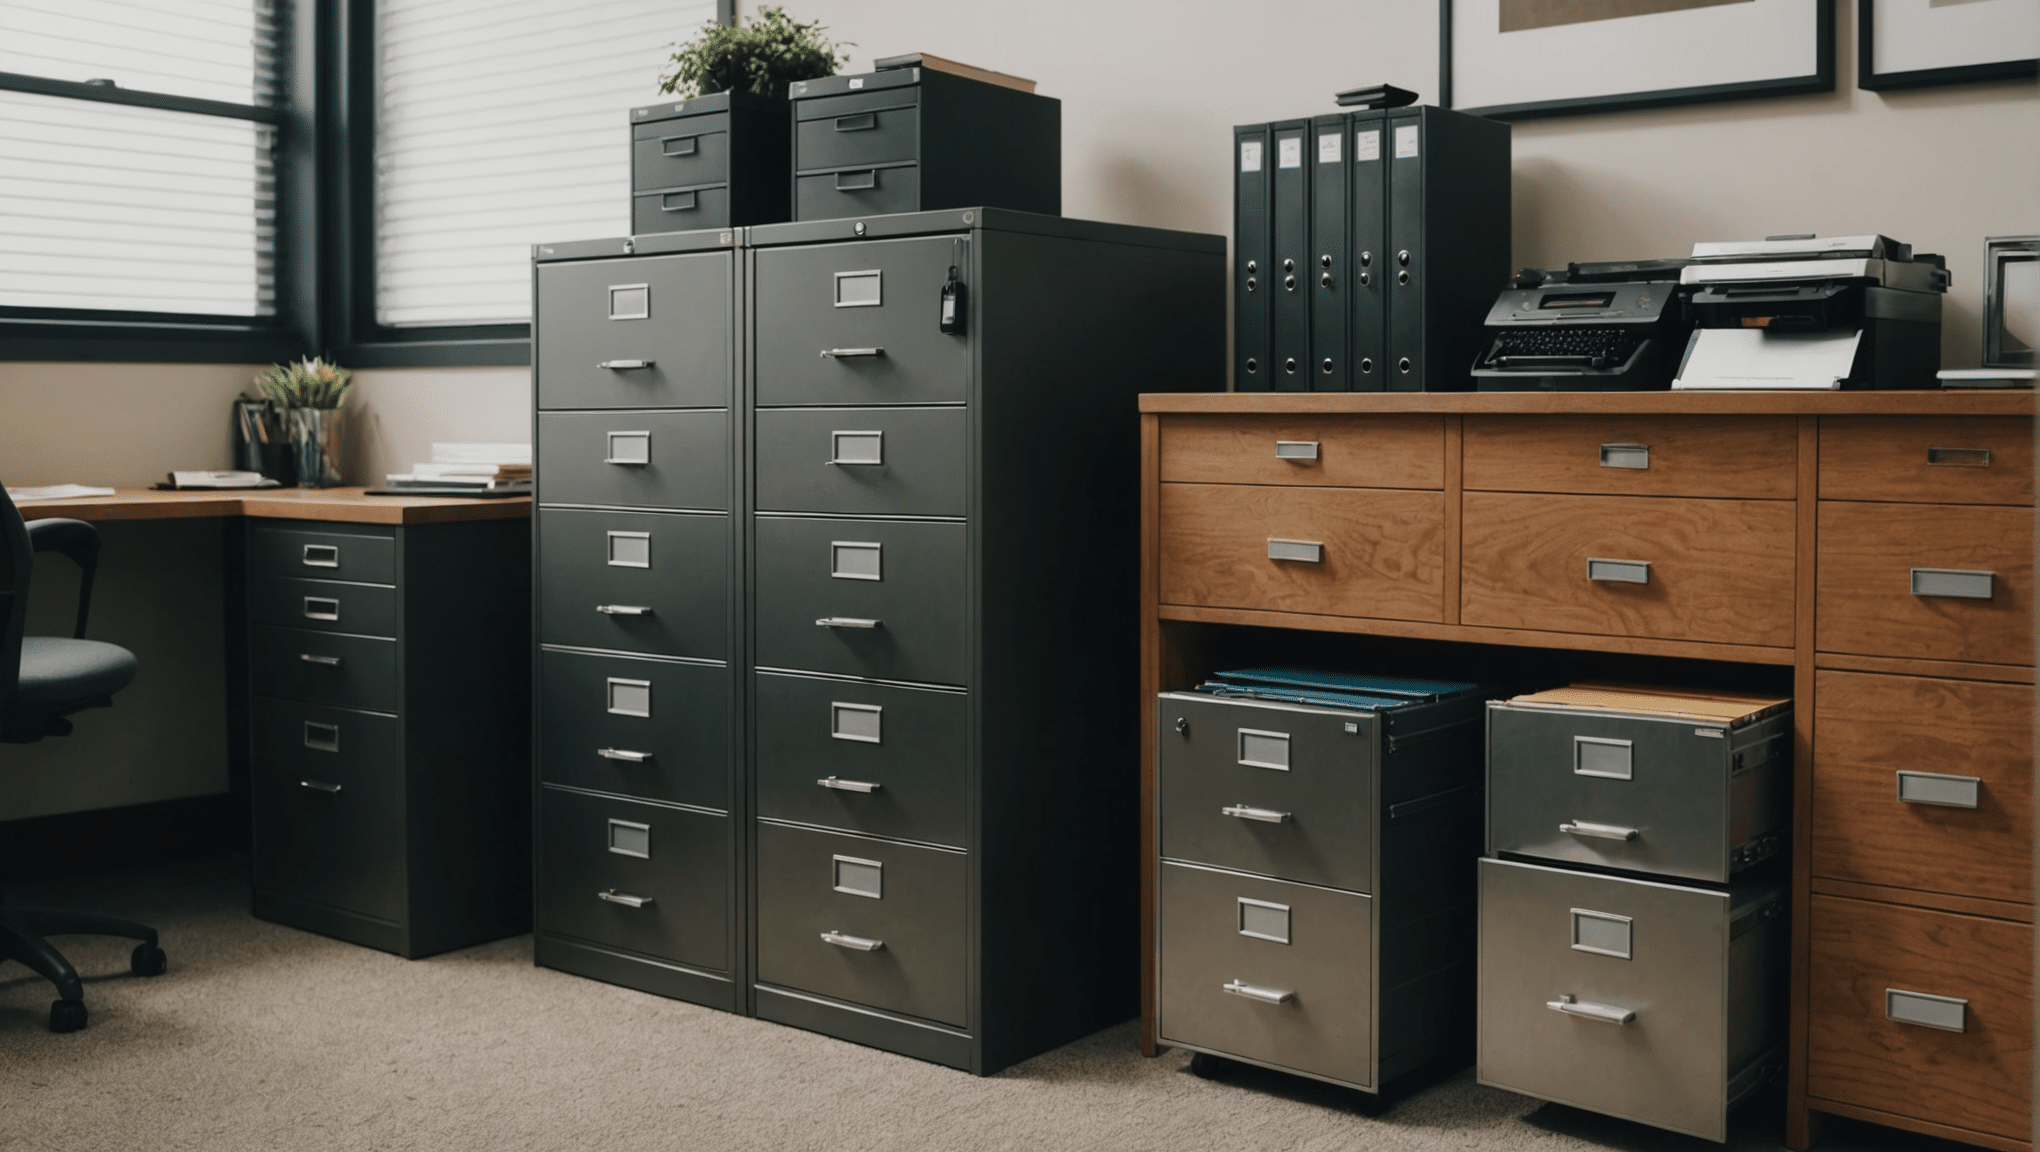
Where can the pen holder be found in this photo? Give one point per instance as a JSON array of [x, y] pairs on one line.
[[314, 435], [261, 443]]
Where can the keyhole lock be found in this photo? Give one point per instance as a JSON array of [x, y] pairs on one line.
[[1183, 725]]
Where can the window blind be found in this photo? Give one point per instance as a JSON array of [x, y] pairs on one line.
[[502, 124]]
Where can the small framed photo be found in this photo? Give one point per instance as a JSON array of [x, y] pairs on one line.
[[1917, 43], [2011, 301]]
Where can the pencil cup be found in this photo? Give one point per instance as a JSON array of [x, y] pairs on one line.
[[315, 445]]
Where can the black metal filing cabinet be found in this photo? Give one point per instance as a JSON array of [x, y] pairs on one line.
[[388, 704]]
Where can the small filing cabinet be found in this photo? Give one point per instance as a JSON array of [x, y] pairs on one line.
[[913, 139], [387, 717], [714, 161]]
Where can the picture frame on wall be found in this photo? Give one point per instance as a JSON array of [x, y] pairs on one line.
[[1516, 59], [1920, 43]]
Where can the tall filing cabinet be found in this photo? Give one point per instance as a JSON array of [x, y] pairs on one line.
[[389, 692]]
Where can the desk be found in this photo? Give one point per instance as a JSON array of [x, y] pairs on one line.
[[384, 704], [1780, 528]]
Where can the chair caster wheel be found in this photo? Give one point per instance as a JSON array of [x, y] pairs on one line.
[[1206, 1066], [67, 1015], [147, 960]]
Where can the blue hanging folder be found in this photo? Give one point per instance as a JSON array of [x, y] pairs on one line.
[[1399, 690]]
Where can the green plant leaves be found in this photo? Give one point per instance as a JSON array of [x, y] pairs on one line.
[[763, 56], [308, 383]]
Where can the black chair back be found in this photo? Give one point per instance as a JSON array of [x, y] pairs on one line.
[[17, 557]]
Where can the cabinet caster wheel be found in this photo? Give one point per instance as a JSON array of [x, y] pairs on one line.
[[147, 960], [67, 1015], [1209, 1067]]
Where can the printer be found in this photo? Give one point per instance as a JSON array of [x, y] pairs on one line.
[[1616, 326], [1796, 312]]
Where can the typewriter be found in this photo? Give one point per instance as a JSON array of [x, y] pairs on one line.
[[1602, 327]]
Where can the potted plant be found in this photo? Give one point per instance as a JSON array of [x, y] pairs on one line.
[[310, 392], [762, 57]]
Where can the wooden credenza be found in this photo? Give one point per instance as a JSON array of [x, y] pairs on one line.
[[1870, 553]]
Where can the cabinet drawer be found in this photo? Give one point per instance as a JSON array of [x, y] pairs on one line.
[[897, 461], [324, 667], [892, 593], [894, 757], [1970, 1064], [874, 306], [324, 605], [1967, 827], [642, 877], [681, 211], [1278, 973], [857, 192], [648, 582], [1750, 458], [326, 794], [854, 139], [1927, 459], [649, 728], [635, 459], [368, 556], [1284, 792], [1875, 599], [649, 332], [1713, 570], [1378, 552], [868, 921], [1343, 451], [677, 153]]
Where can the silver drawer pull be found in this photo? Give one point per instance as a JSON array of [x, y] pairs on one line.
[[1938, 789], [322, 661], [843, 353], [1948, 1013], [1265, 815], [322, 555], [623, 754], [847, 622], [322, 608], [623, 898], [1625, 456], [1303, 551], [623, 609], [1264, 995], [1605, 1013], [842, 785], [1960, 583], [1618, 571], [620, 365], [1959, 457], [1598, 831], [320, 786], [1296, 449], [854, 943]]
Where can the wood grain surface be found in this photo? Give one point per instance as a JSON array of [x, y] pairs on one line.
[[1969, 402], [1747, 457], [1887, 458], [1721, 570], [1866, 603], [1353, 451], [1383, 549], [1873, 726], [339, 505], [1979, 1079]]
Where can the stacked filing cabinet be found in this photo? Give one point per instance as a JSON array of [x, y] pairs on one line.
[[1316, 882], [710, 162], [387, 715], [1630, 964], [639, 859], [942, 569]]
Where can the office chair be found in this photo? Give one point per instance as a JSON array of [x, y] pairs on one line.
[[43, 680]]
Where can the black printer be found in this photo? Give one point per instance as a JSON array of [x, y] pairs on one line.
[[1599, 327]]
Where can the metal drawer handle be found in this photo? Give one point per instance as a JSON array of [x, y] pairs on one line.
[[620, 365], [322, 608], [1959, 583], [1264, 995], [1940, 790], [623, 609], [1948, 1013], [1625, 456], [869, 181], [1598, 831], [689, 145], [324, 661], [854, 943], [842, 785], [843, 353], [857, 122], [1264, 815], [1296, 449], [1605, 1013], [1302, 551], [624, 754], [625, 899], [322, 555], [320, 786], [1959, 457], [1618, 571], [847, 622]]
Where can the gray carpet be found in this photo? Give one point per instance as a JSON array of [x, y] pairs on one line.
[[264, 1037]]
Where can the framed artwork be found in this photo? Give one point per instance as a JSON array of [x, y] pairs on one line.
[[2011, 301], [1514, 59], [1917, 43]]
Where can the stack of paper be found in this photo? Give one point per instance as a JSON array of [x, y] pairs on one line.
[[480, 467]]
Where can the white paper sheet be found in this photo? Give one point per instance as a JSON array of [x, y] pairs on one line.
[[1756, 358]]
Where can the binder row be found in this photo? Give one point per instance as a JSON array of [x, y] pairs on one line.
[[1368, 247]]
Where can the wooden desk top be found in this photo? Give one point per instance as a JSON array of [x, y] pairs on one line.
[[1926, 402], [345, 505]]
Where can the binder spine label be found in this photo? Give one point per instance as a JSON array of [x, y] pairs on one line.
[[1250, 155], [1367, 144], [1406, 137], [1289, 278], [1252, 257]]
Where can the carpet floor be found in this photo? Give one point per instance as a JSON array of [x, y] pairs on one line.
[[265, 1037]]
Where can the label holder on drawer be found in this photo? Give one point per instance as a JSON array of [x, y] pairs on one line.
[[1301, 551], [1947, 1013], [1625, 456], [1296, 449], [1605, 571], [1939, 789], [1956, 583]]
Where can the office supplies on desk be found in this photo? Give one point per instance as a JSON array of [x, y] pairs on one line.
[[58, 492], [1550, 333], [213, 479]]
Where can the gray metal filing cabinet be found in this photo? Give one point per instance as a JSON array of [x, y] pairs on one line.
[[941, 563], [1316, 883], [708, 162], [389, 692], [1632, 936]]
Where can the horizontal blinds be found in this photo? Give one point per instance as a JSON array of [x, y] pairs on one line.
[[502, 124], [211, 49]]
